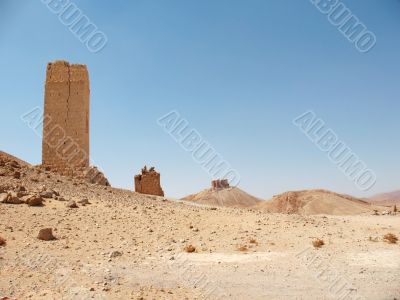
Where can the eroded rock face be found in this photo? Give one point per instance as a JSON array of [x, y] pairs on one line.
[[148, 182]]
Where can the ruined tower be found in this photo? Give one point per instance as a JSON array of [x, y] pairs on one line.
[[220, 184], [66, 118], [148, 182]]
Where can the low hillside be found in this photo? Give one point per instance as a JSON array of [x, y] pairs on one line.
[[314, 202], [229, 197]]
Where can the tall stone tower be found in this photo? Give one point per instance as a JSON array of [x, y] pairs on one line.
[[65, 146]]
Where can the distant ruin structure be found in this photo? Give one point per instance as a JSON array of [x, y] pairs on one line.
[[65, 145], [220, 184], [148, 182]]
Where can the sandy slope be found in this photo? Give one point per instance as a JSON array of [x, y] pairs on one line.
[[388, 199], [312, 202], [150, 234], [230, 197]]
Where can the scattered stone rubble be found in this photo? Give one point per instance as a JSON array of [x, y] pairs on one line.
[[14, 192]]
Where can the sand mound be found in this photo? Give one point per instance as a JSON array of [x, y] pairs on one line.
[[314, 202], [387, 199], [229, 197]]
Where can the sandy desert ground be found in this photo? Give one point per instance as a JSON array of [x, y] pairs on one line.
[[129, 246]]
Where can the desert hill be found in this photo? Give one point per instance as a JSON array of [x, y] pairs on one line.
[[386, 198], [227, 197], [314, 202], [118, 244]]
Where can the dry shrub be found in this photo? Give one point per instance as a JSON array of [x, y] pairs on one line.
[[318, 243], [254, 242], [243, 248], [371, 239], [190, 249], [390, 238], [2, 241]]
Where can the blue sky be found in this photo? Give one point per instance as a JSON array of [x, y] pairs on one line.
[[238, 71]]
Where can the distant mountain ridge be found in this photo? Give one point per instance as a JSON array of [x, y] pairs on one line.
[[390, 198]]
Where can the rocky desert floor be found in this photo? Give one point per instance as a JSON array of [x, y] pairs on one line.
[[125, 245]]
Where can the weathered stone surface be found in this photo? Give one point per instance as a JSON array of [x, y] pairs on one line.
[[72, 204], [34, 200], [65, 144], [93, 175], [66, 118], [21, 194], [46, 234], [46, 194], [12, 198], [84, 201], [3, 197], [20, 188], [148, 182], [5, 188], [13, 164], [115, 254]]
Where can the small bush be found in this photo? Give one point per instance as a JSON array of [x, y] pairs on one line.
[[253, 241], [2, 241], [190, 249], [390, 238], [318, 243]]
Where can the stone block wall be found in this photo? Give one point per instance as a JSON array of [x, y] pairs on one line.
[[148, 183], [220, 184], [65, 146]]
